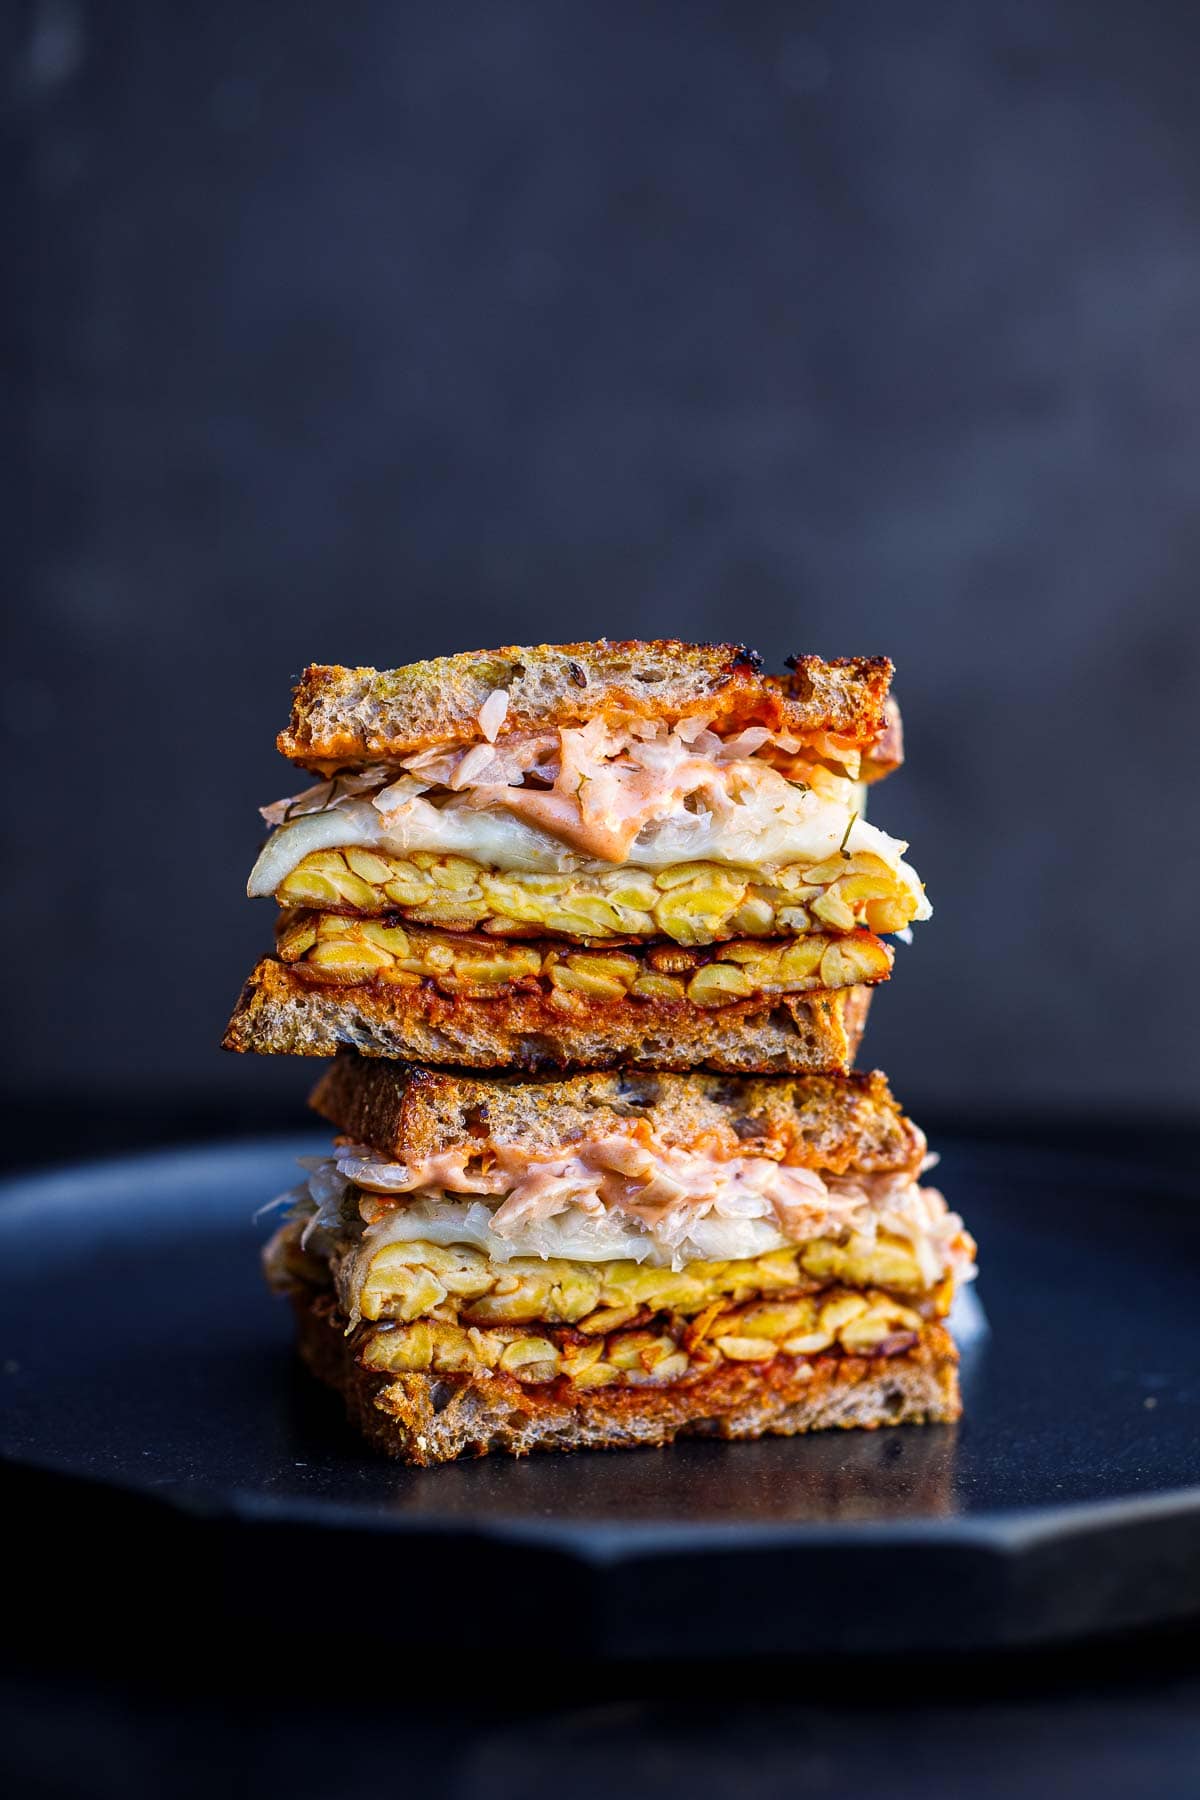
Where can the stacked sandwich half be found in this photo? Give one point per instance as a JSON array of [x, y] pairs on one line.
[[591, 931]]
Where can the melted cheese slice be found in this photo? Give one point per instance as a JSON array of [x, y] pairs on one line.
[[808, 829]]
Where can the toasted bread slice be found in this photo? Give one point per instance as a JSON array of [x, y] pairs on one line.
[[827, 1122], [283, 1012], [435, 1418], [342, 718]]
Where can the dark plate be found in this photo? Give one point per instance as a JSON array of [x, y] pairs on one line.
[[159, 1440]]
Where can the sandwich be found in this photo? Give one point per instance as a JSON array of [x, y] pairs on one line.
[[613, 1259], [594, 856], [590, 932]]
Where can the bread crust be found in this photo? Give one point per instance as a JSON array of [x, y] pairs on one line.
[[886, 754], [424, 1419], [345, 717], [828, 1122], [281, 1013]]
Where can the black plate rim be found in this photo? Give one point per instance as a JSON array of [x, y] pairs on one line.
[[1012, 1534]]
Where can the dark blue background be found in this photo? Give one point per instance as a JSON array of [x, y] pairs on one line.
[[369, 332]]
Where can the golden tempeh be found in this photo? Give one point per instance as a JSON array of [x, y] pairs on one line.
[[670, 1349], [406, 1280], [692, 903], [344, 949]]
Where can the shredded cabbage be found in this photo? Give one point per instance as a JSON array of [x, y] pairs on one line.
[[593, 797]]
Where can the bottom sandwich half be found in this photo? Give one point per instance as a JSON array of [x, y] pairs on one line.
[[613, 1261], [424, 1418]]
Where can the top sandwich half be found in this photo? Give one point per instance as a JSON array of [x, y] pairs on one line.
[[599, 792]]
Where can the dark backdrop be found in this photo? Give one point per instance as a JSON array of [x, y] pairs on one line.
[[368, 332]]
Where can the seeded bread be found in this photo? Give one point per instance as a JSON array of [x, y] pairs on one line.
[[281, 1013], [343, 717], [426, 1419], [828, 1122]]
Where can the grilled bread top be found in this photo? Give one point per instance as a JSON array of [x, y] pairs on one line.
[[342, 718], [827, 1122]]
